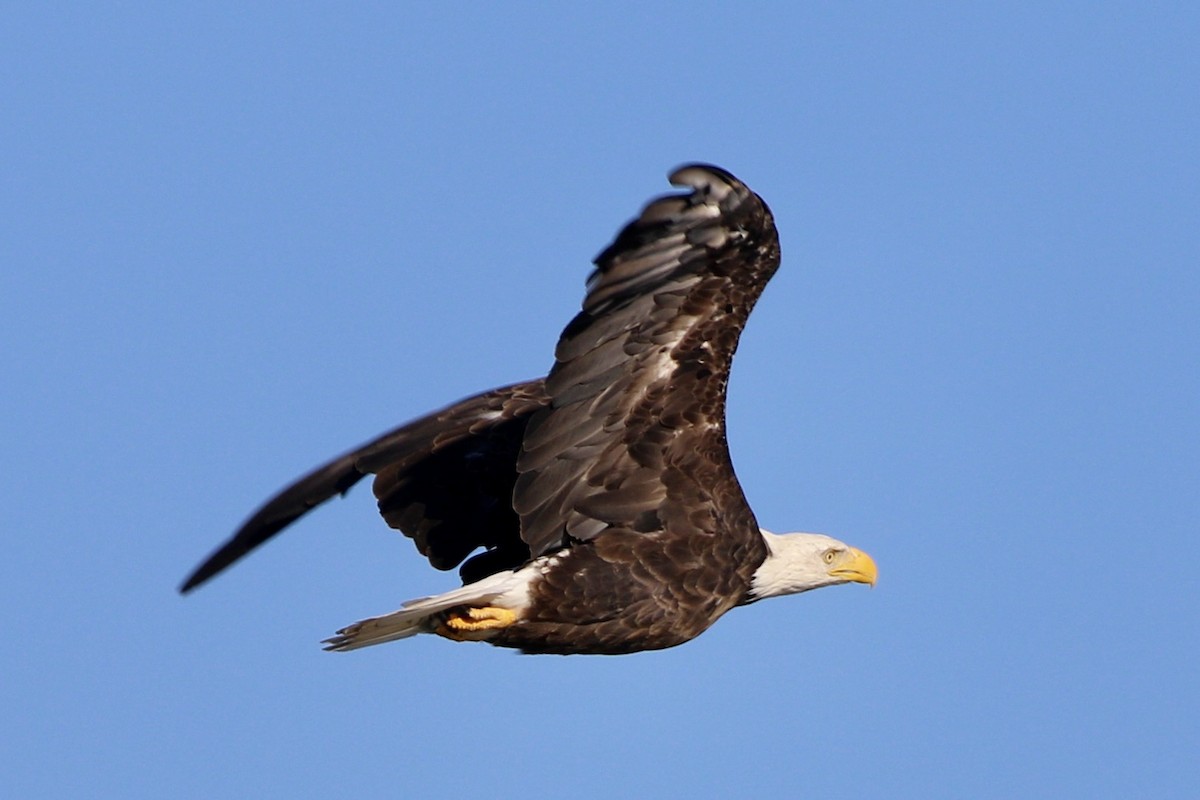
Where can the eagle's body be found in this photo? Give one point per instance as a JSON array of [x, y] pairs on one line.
[[603, 496]]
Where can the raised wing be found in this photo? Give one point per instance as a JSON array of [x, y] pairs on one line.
[[436, 478], [634, 436]]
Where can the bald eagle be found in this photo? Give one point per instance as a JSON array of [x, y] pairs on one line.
[[595, 510]]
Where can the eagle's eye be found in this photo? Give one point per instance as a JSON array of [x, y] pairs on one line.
[[829, 555]]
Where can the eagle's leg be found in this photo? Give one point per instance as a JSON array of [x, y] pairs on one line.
[[475, 623]]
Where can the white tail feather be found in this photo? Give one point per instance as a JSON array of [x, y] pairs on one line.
[[505, 589]]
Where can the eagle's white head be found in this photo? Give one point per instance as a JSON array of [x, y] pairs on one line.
[[797, 562]]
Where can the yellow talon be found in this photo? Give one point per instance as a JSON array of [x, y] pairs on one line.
[[473, 623]]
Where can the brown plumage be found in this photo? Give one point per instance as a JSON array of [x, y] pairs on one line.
[[603, 497]]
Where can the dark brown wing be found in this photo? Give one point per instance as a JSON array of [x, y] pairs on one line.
[[445, 480], [634, 438]]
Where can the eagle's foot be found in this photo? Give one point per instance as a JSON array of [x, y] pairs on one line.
[[471, 623]]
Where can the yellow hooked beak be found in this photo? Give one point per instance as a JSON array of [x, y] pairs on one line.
[[856, 566]]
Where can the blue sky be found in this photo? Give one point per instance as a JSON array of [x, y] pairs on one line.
[[238, 240]]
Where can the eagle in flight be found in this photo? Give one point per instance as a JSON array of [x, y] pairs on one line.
[[595, 510]]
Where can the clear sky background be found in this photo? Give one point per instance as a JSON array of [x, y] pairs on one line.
[[236, 241]]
